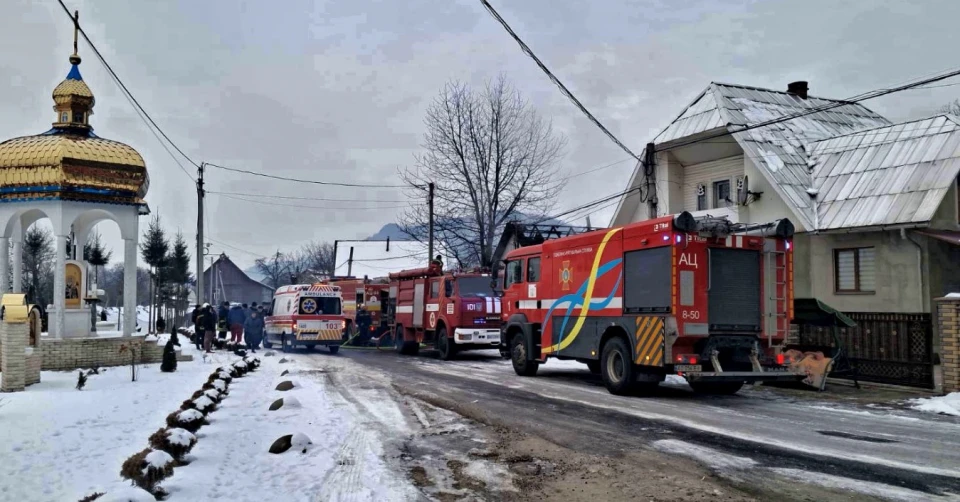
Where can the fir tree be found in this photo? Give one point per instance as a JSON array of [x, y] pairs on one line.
[[96, 254], [154, 250]]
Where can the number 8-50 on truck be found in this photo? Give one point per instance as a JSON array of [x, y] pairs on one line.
[[703, 298]]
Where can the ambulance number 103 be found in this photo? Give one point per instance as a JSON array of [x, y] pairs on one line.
[[692, 315]]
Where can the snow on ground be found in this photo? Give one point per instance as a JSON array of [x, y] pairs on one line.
[[868, 488], [946, 405], [231, 460], [58, 443]]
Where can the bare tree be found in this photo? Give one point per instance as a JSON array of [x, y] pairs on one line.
[[320, 259], [273, 269], [298, 266], [491, 156], [952, 108]]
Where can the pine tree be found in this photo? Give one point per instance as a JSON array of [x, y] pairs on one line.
[[154, 250], [179, 272], [38, 256], [96, 254]]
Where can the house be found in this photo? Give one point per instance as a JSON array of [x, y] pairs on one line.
[[225, 281], [377, 258], [875, 205]]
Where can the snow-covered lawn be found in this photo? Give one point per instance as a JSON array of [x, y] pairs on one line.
[[946, 405], [58, 443], [231, 460]]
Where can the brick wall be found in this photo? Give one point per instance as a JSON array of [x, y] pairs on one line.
[[32, 374], [948, 320], [70, 354], [12, 362]]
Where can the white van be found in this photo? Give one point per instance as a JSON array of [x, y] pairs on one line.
[[307, 315]]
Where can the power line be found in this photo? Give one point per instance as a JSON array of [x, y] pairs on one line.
[[595, 169], [315, 182], [299, 198], [587, 205], [128, 94], [235, 248], [566, 92], [303, 206]]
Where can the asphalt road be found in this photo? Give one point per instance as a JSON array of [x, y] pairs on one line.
[[751, 437]]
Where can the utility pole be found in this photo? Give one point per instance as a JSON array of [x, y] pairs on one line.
[[350, 263], [430, 187], [200, 247], [650, 172]]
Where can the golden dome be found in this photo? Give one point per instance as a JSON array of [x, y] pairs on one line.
[[69, 161]]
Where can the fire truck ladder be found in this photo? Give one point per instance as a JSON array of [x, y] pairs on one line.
[[780, 294]]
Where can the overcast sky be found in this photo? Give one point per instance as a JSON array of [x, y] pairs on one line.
[[336, 90]]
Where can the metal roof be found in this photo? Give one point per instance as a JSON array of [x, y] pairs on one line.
[[846, 167], [891, 175]]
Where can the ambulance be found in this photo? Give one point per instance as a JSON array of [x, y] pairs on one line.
[[307, 315]]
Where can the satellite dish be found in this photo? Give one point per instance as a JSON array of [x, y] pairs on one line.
[[743, 190]]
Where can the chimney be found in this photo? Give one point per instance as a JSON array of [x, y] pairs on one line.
[[798, 89]]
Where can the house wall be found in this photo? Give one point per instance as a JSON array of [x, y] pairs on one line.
[[947, 216], [233, 285], [897, 273], [708, 173], [769, 207]]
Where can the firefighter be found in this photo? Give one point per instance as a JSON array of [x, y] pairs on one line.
[[437, 263]]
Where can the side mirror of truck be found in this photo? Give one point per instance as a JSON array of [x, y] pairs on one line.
[[495, 286]]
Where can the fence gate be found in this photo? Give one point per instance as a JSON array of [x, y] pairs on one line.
[[887, 348]]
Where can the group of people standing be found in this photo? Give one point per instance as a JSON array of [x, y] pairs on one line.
[[244, 323]]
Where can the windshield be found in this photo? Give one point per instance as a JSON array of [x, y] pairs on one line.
[[320, 305], [474, 286]]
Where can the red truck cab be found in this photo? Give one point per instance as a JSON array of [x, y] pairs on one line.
[[453, 311]]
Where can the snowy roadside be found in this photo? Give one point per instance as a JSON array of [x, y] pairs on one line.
[[944, 405]]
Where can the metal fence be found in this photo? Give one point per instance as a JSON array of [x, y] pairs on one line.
[[887, 348]]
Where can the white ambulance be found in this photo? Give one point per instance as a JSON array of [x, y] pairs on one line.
[[308, 315]]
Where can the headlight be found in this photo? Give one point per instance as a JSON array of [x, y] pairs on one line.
[[343, 324]]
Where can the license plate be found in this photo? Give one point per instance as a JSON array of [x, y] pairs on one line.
[[688, 368]]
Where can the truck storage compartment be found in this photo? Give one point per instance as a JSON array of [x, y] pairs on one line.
[[734, 291], [646, 281]]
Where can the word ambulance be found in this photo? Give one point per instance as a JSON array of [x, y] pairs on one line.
[[706, 299]]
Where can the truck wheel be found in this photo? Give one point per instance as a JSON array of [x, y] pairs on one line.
[[285, 344], [448, 349], [266, 342], [616, 367], [594, 367], [716, 388], [522, 365], [334, 348]]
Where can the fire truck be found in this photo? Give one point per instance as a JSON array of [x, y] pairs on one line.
[[705, 299], [305, 314], [363, 293], [452, 311]]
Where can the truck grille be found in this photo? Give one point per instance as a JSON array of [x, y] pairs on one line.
[[734, 294]]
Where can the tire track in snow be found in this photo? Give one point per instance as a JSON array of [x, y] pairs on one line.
[[344, 483]]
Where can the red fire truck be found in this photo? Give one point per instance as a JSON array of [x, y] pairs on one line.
[[364, 293], [706, 299], [453, 311]]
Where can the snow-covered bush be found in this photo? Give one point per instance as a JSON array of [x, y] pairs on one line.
[[241, 367], [213, 394], [188, 419], [177, 442], [225, 376], [204, 404], [147, 469]]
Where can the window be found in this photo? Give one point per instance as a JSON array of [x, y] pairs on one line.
[[721, 194], [854, 270], [475, 286], [533, 270], [448, 289], [701, 197], [435, 289], [78, 117], [64, 117], [514, 273]]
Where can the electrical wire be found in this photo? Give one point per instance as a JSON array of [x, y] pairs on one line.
[[566, 92], [126, 92], [587, 205], [298, 198], [304, 206], [607, 166], [315, 182]]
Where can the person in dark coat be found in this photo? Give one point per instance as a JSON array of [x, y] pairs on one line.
[[198, 329], [253, 331], [235, 319], [209, 325], [222, 325], [160, 324]]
